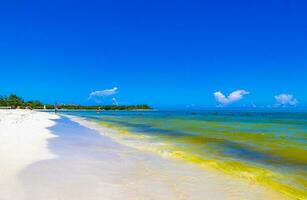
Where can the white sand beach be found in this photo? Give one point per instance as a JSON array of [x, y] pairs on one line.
[[46, 156], [23, 140]]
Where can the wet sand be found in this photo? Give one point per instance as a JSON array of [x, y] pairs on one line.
[[91, 166]]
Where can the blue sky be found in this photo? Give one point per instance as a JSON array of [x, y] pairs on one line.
[[163, 53]]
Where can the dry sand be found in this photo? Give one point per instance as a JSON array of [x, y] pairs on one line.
[[23, 140]]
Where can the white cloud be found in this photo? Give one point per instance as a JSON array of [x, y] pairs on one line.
[[285, 100], [114, 101], [104, 93], [232, 97]]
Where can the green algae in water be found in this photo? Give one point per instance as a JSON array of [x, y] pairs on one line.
[[264, 147]]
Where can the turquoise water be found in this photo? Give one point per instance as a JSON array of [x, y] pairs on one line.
[[264, 147]]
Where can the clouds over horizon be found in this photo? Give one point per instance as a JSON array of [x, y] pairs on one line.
[[103, 93], [284, 100], [114, 101], [231, 98]]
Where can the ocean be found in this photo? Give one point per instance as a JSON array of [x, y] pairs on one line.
[[267, 148]]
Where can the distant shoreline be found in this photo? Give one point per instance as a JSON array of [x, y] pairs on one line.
[[51, 110]]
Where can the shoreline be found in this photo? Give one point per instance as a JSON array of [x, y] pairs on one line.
[[66, 157], [93, 110], [242, 155], [223, 178]]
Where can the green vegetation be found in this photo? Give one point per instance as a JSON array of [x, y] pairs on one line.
[[105, 107], [13, 101]]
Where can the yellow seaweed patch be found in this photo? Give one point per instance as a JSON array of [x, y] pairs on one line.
[[255, 174], [240, 170]]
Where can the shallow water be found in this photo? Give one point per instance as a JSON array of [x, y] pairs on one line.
[[90, 166], [264, 147]]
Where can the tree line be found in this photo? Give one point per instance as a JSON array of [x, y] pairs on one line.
[[14, 101]]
